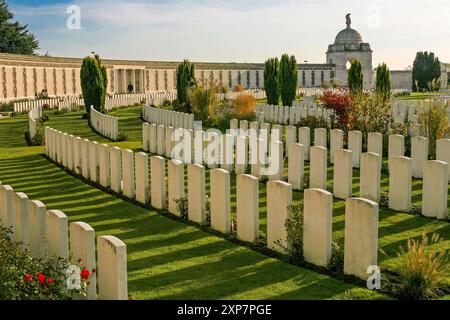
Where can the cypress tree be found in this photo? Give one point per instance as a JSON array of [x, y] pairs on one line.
[[185, 80], [426, 69], [94, 83], [288, 79], [383, 81], [271, 70], [355, 77]]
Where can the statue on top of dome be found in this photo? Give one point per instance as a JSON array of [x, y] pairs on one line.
[[348, 20]]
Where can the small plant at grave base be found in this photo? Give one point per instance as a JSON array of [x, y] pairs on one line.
[[294, 231], [122, 136], [416, 210], [84, 277], [306, 181], [336, 263], [234, 225], [208, 210], [44, 118], [422, 270], [384, 200], [182, 206], [262, 239]]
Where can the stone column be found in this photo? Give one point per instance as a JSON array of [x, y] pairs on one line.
[[279, 198], [361, 236], [370, 176], [196, 193], [343, 174], [247, 207], [220, 200], [318, 168], [158, 182], [317, 226], [400, 183], [296, 164]]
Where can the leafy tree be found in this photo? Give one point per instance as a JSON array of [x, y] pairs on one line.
[[355, 77], [288, 79], [271, 70], [15, 38], [383, 81], [185, 80], [426, 70], [94, 83]]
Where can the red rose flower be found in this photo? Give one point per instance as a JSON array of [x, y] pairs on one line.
[[85, 274], [41, 278], [80, 260], [28, 277], [50, 280]]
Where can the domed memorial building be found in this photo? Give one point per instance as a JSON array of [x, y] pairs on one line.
[[26, 76]]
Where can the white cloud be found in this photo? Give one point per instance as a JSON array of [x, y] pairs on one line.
[[240, 30]]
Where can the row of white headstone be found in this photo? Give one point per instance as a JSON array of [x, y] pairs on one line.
[[33, 116], [47, 233], [258, 94], [132, 175], [290, 115], [336, 138], [106, 125], [168, 117]]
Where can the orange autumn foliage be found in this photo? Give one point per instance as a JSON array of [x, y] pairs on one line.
[[245, 104]]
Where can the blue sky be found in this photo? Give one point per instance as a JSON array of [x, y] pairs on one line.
[[240, 31]]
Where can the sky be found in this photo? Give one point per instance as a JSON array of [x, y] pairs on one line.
[[235, 31]]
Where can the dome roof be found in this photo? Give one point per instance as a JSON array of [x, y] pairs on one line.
[[348, 35]]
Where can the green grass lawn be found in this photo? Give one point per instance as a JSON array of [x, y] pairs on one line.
[[394, 227], [167, 259]]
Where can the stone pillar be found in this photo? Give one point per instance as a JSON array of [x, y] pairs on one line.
[[112, 268], [128, 184], [435, 189], [318, 168], [304, 138], [443, 151], [104, 165], [419, 154], [400, 183], [175, 184], [220, 200], [370, 176], [158, 182], [279, 198], [21, 224], [36, 220], [196, 193], [247, 207], [141, 162], [343, 174], [82, 245], [355, 146], [116, 169], [296, 164], [57, 234], [336, 142], [361, 236], [320, 137], [317, 226]]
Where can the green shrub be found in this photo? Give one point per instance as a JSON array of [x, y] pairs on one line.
[[182, 206], [25, 278], [271, 85], [122, 136], [94, 83], [434, 123], [336, 263], [355, 77], [288, 79], [421, 272], [203, 101], [294, 230], [185, 81]]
